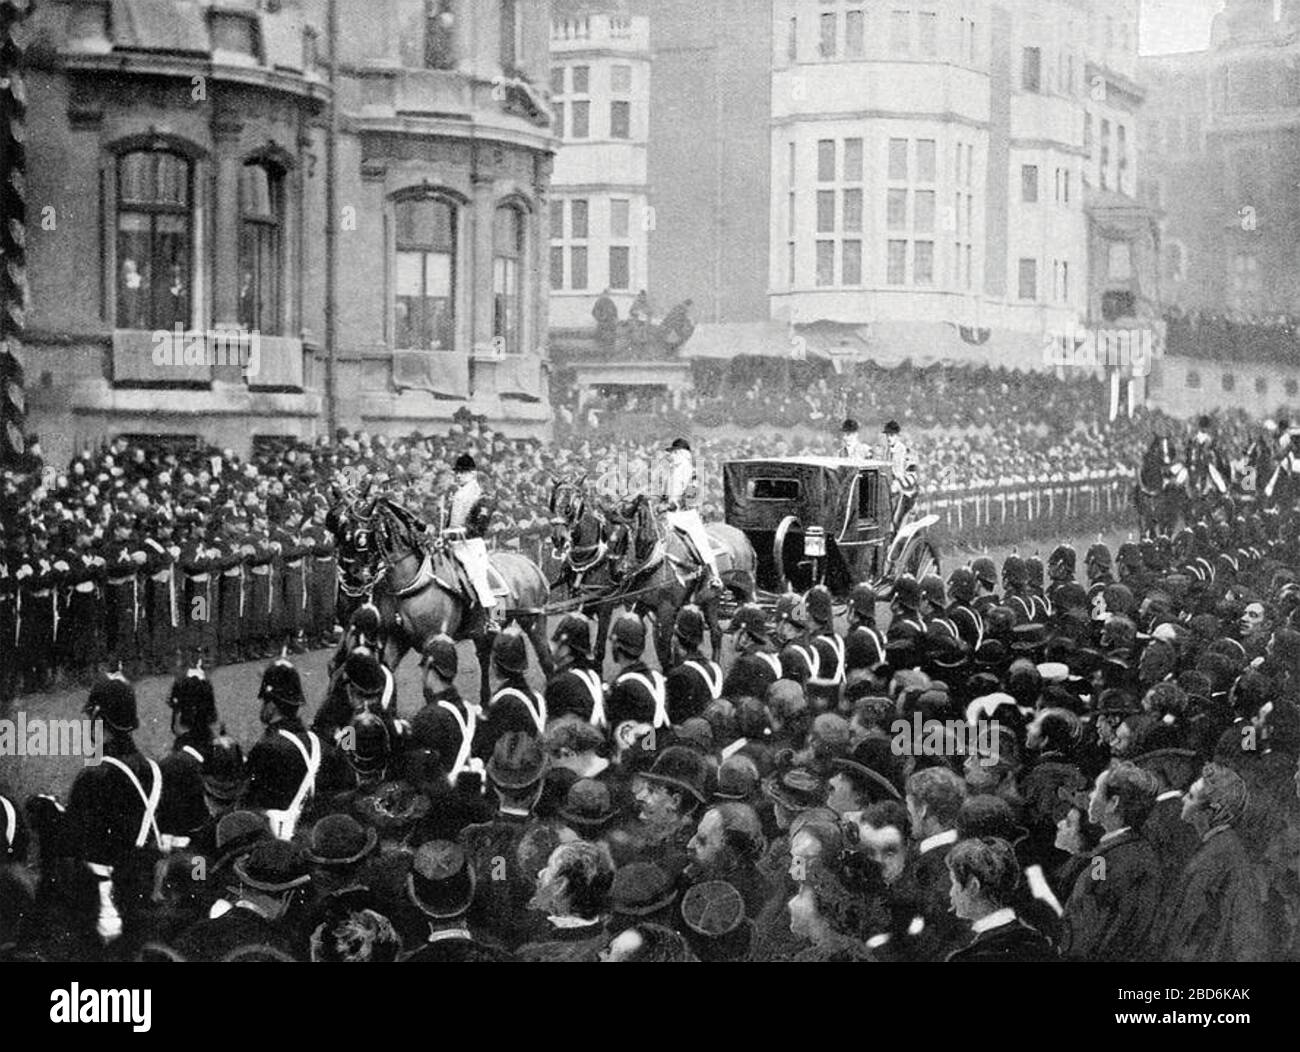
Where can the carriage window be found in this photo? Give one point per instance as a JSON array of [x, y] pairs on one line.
[[774, 489], [867, 506]]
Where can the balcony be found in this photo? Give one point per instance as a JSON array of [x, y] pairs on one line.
[[617, 32]]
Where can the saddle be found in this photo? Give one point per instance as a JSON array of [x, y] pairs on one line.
[[441, 567]]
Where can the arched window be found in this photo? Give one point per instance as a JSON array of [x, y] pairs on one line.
[[261, 247], [426, 274], [154, 237], [510, 238]]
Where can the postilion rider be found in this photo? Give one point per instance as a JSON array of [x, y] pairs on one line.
[[464, 528], [678, 496]]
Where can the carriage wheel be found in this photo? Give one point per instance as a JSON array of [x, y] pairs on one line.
[[922, 560], [780, 540]]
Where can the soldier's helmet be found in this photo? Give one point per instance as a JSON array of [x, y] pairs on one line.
[[1097, 560], [931, 586], [907, 592], [1061, 563], [961, 584], [790, 609], [223, 770], [821, 607], [1034, 570], [282, 686], [509, 653], [985, 571], [113, 700], [192, 699], [1014, 573]]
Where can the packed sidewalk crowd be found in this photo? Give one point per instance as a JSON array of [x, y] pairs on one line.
[[1090, 760]]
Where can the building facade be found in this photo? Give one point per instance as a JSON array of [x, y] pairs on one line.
[[959, 166], [198, 173], [600, 211], [1225, 125]]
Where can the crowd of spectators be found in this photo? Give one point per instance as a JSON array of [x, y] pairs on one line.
[[1233, 336]]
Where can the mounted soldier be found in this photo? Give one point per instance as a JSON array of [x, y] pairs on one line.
[[1207, 468], [678, 496]]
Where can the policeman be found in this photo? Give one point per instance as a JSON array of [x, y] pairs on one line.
[[693, 681], [283, 766], [112, 815], [986, 584], [756, 666], [124, 557], [903, 469], [513, 704], [906, 622], [1034, 588], [970, 625], [465, 526], [363, 684], [162, 599], [863, 634], [365, 629], [933, 608], [575, 689], [194, 723], [37, 611], [799, 661], [678, 494], [636, 692], [824, 688], [447, 723], [1015, 590], [1060, 570]]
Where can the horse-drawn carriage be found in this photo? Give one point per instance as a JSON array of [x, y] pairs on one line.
[[824, 520]]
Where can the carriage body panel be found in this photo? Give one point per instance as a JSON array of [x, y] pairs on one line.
[[811, 519]]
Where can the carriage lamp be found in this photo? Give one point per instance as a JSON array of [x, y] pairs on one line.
[[814, 542]]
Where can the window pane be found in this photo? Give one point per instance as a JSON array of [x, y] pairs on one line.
[[1029, 279], [581, 120], [853, 35], [581, 78], [853, 160], [792, 40], [897, 271], [620, 120], [896, 210], [439, 35], [825, 211], [826, 161], [1031, 69], [255, 191], [424, 224], [557, 219], [577, 268], [618, 218], [826, 45], [898, 159], [853, 211], [825, 262], [620, 79], [134, 275], [927, 33], [557, 266], [925, 160], [557, 80], [1029, 183], [620, 267], [851, 266], [924, 218], [505, 302], [923, 264], [508, 232], [578, 218], [510, 33], [900, 32]]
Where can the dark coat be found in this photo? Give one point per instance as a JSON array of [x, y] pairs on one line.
[[1214, 912], [1015, 941], [1113, 904]]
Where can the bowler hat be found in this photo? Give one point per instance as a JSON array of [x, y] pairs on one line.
[[682, 768], [465, 462], [588, 804], [797, 789], [274, 866], [641, 888], [680, 443], [339, 840]]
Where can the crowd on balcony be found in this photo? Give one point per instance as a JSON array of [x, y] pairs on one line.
[[1233, 336]]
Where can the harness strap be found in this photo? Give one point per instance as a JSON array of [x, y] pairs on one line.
[[149, 799]]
